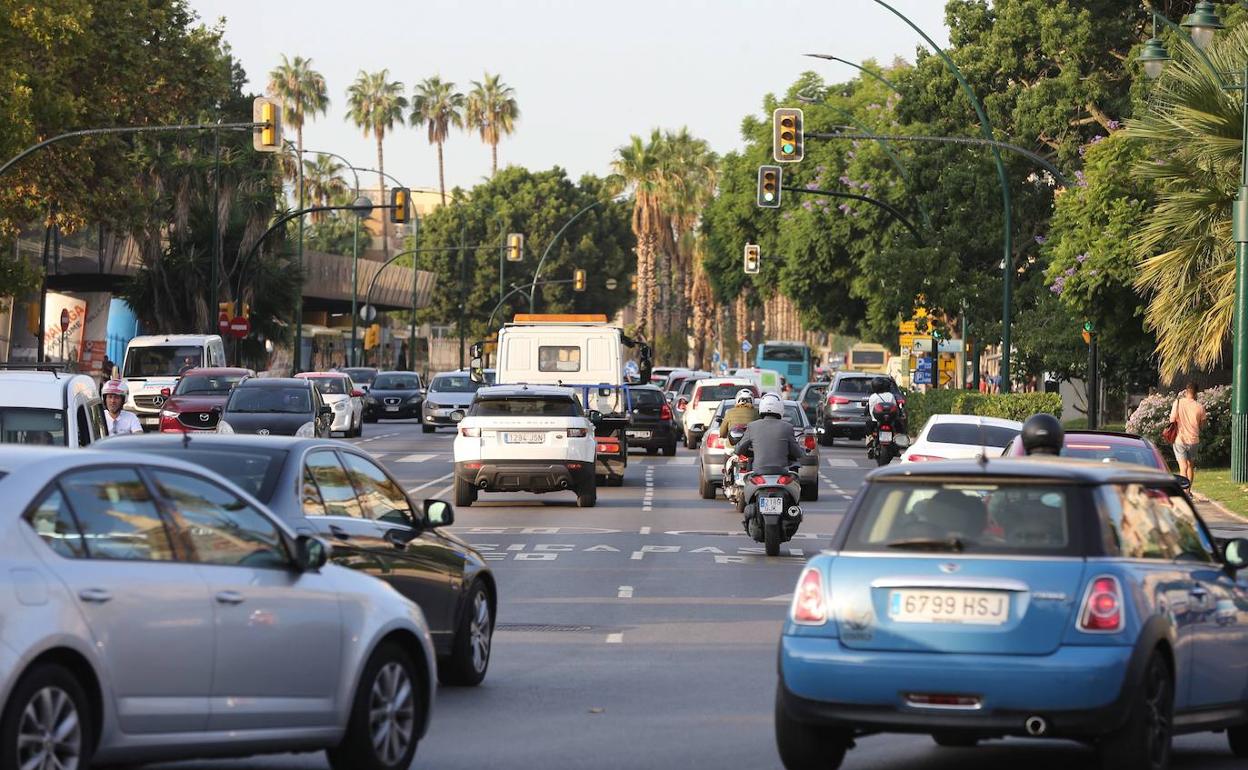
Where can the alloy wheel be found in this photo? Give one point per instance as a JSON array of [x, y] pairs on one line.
[[479, 632], [1157, 708], [391, 713], [49, 735]]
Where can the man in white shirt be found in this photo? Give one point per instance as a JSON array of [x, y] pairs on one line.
[[119, 420]]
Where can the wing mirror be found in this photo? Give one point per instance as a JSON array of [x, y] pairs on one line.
[[594, 416], [311, 553], [1235, 554], [357, 393], [439, 513], [1184, 482]]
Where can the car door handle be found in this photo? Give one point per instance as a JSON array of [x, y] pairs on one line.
[[96, 595], [230, 597], [339, 532]]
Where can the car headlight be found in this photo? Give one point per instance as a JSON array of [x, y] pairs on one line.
[[167, 414], [339, 406], [224, 427], [370, 401], [307, 430]]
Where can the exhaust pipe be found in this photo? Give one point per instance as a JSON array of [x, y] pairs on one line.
[[483, 484], [1036, 726], [563, 483]]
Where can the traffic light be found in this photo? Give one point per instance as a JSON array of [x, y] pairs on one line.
[[769, 178], [1088, 332], [226, 307], [372, 337], [515, 247], [400, 205], [752, 258], [786, 124], [268, 137], [578, 280]]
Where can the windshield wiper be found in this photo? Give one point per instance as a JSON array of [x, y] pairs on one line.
[[931, 544]]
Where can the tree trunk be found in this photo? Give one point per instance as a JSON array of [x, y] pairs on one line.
[[493, 158], [441, 177], [381, 180]]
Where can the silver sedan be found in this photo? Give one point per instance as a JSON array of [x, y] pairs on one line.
[[159, 612], [713, 452]]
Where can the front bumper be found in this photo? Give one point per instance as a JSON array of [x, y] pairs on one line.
[[537, 476], [443, 416], [1077, 690], [403, 411], [343, 421]]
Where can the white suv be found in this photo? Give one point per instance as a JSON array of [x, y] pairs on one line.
[[707, 394], [520, 438]]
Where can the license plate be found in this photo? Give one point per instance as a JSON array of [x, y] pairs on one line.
[[149, 420], [638, 433], [524, 438], [886, 436], [392, 409], [988, 608], [771, 505]]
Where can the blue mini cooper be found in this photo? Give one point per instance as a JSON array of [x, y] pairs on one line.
[[1033, 597]]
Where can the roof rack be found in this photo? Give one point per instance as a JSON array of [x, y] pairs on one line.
[[55, 368]]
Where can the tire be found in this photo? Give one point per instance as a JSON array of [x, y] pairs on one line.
[[810, 492], [771, 539], [706, 488], [1237, 737], [587, 496], [691, 442], [470, 652], [428, 428], [670, 450], [465, 493], [386, 676], [27, 713], [883, 456], [1143, 741], [954, 741], [741, 502], [826, 439], [807, 747], [652, 450]]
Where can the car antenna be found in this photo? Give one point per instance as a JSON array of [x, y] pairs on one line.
[[982, 457]]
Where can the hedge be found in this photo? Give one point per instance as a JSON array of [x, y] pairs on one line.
[[1009, 406]]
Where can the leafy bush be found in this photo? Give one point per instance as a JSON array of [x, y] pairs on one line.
[[1153, 414], [1009, 406]]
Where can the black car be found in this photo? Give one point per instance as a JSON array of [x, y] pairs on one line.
[[394, 396], [844, 411], [276, 406], [811, 399], [340, 493], [361, 375], [651, 427]]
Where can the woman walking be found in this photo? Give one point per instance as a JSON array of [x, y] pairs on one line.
[[1189, 416]]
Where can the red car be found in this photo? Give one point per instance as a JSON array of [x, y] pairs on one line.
[[196, 403], [1105, 446]]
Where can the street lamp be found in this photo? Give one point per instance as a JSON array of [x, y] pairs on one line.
[[1202, 23]]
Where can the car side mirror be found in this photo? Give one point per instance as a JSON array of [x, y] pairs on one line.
[[1184, 482], [1235, 554], [476, 370], [311, 553], [439, 513], [594, 416], [357, 393]]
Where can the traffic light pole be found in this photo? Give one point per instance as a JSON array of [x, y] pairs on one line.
[[914, 231], [1094, 384]]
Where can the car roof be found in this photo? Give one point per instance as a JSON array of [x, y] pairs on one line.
[[54, 460], [531, 391], [842, 375], [31, 389], [286, 443], [1064, 469], [708, 381], [974, 419], [210, 370], [273, 382], [645, 387], [460, 373], [161, 339], [399, 371], [1112, 437], [319, 375]]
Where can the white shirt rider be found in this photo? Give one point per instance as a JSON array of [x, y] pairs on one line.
[[124, 422], [886, 397]]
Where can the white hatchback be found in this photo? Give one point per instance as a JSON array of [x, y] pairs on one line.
[[520, 438], [961, 437]]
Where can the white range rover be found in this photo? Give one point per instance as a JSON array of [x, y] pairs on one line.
[[525, 438]]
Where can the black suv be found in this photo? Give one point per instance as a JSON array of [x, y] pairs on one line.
[[651, 427], [844, 412]]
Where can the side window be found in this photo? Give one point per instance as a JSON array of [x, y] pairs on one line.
[[54, 522], [1193, 544], [217, 527], [381, 498], [118, 518], [83, 424], [313, 505], [1148, 523], [99, 426], [335, 486]]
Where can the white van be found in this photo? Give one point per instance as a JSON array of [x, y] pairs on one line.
[[156, 362], [47, 406]]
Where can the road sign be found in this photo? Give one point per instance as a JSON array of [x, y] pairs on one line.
[[746, 347], [240, 327], [923, 372], [905, 341], [611, 284], [723, 366], [223, 323], [368, 313], [923, 344], [64, 321], [906, 327], [715, 358]]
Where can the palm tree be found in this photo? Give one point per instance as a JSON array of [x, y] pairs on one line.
[[637, 166], [688, 185], [321, 176], [439, 106], [302, 92], [491, 109], [376, 103]]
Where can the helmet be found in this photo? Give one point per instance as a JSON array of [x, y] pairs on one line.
[[1042, 435], [880, 385], [114, 388], [745, 396], [769, 405]]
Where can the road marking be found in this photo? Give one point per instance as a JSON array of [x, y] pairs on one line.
[[779, 598], [615, 638], [415, 458], [687, 460], [841, 462], [414, 490], [644, 531], [625, 592]]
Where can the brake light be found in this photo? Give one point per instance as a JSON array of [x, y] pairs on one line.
[[1102, 606], [922, 458], [577, 432], [810, 607], [470, 432], [809, 443], [756, 480], [837, 400], [713, 441], [697, 396], [785, 479], [607, 447], [665, 412], [473, 466]]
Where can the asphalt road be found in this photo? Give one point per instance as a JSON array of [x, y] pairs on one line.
[[642, 633]]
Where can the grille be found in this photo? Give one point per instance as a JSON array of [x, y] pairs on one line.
[[390, 401], [149, 402], [199, 420]]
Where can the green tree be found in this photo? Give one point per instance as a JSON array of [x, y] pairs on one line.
[[375, 104], [439, 106], [491, 110], [638, 166], [323, 178], [303, 95]]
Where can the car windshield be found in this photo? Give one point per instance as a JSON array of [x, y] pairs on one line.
[[686, 388], [1091, 449], [525, 407], [254, 470], [647, 398], [207, 384], [854, 385], [720, 392], [364, 376], [970, 434], [453, 383], [162, 360], [1003, 517], [396, 382], [32, 426], [289, 400], [330, 386]]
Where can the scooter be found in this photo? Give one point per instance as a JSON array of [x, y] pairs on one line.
[[889, 438], [735, 468], [772, 513]]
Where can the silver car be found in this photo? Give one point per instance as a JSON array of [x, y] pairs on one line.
[[714, 451], [448, 398], [155, 611]]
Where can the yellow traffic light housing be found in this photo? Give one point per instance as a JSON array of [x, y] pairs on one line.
[[515, 247], [372, 337], [753, 256], [226, 307], [578, 280], [266, 137], [787, 135], [400, 205], [769, 179]]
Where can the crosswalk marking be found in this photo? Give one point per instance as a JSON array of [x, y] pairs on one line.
[[415, 458]]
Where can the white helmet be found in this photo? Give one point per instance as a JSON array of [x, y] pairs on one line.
[[115, 388], [770, 405], [745, 397]]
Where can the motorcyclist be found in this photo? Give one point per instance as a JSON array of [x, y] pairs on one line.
[[741, 414], [881, 393], [119, 421], [769, 439]]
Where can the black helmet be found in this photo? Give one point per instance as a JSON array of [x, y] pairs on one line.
[[1042, 435], [880, 385]]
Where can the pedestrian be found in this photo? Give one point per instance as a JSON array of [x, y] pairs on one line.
[[1188, 414], [108, 369]]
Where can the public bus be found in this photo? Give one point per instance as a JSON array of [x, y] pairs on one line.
[[867, 357], [790, 359]]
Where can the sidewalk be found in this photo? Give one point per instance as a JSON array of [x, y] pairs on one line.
[[1223, 523]]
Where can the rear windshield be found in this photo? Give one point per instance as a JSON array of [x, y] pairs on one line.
[[720, 392], [270, 399], [254, 470], [330, 386], [794, 415], [525, 407], [1092, 450], [163, 360], [396, 382], [854, 385], [787, 353], [207, 384], [1003, 517], [972, 435], [867, 357], [32, 426], [647, 398], [453, 383]]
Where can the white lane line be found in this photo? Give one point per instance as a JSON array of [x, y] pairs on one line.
[[625, 592], [686, 460], [644, 531], [415, 458], [414, 490], [637, 556], [779, 598], [848, 497], [841, 462], [615, 638]]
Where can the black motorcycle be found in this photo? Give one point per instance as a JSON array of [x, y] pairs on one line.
[[888, 438]]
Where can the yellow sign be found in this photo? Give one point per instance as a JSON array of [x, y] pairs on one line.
[[920, 312], [906, 327]]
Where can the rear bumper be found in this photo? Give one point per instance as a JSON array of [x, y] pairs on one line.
[[661, 435], [526, 475], [844, 425], [1079, 691]]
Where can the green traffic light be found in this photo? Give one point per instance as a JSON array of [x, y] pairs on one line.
[[1087, 326], [787, 148]]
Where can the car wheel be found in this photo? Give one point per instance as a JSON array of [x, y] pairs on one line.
[[470, 655], [652, 450], [808, 747], [47, 722], [1237, 736], [826, 439], [954, 741], [587, 496], [1143, 741], [692, 442], [810, 492], [670, 450], [387, 713], [465, 493], [428, 428], [706, 488]]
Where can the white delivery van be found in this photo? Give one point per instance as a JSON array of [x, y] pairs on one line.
[[155, 363], [41, 404]]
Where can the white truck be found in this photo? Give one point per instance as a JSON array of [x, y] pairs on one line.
[[583, 352], [155, 363]]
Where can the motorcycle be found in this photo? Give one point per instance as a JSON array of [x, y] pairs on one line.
[[889, 438], [772, 513], [735, 467]]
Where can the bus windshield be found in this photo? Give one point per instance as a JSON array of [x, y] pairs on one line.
[[790, 360]]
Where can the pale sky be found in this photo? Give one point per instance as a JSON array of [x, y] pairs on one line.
[[587, 73]]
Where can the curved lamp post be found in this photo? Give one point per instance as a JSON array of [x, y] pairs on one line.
[[555, 239]]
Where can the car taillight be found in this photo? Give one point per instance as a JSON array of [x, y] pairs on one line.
[[809, 443], [470, 432], [607, 448], [577, 432], [756, 480], [837, 400], [922, 458], [785, 479], [810, 607], [665, 412], [713, 441], [1102, 606]]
